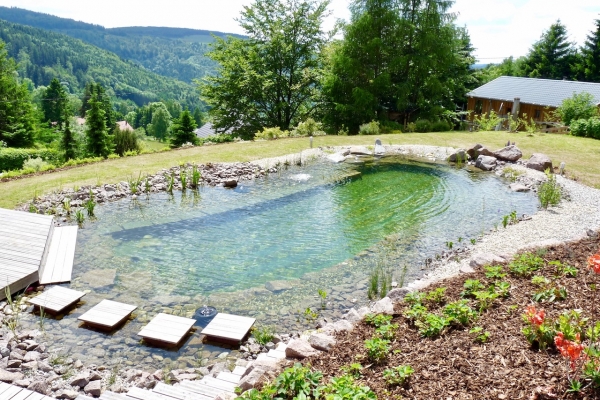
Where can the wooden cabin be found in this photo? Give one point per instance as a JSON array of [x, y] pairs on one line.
[[537, 98]]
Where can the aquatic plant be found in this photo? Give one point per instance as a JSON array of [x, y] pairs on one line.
[[196, 176], [183, 178], [67, 205], [90, 205], [323, 296], [170, 183], [79, 217]]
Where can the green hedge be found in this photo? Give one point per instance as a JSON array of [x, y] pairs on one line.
[[11, 158], [586, 127]]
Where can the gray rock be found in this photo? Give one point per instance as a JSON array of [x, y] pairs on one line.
[[10, 377], [230, 183], [93, 388], [383, 306], [539, 162], [480, 259], [336, 157], [44, 367], [353, 316], [478, 150], [14, 364], [98, 278], [508, 153], [360, 151], [4, 352], [278, 286], [67, 394], [80, 380], [251, 380], [460, 155], [300, 348], [379, 149], [486, 163], [518, 187], [398, 294], [39, 387], [322, 342], [31, 356]]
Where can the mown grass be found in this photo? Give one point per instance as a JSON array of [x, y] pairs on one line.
[[582, 156]]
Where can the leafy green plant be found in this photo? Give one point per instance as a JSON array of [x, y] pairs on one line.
[[398, 376], [414, 298], [380, 282], [378, 320], [481, 336], [436, 296], [494, 272], [525, 264], [415, 313], [183, 178], [354, 370], [449, 245], [170, 183], [344, 387], [460, 312], [539, 280], [89, 205], [377, 349], [79, 217], [485, 299], [550, 294], [473, 241], [323, 296], [537, 330], [387, 331], [571, 323], [432, 325], [310, 315], [563, 269], [502, 288], [67, 205], [549, 192], [263, 334], [471, 286], [370, 128], [487, 121], [298, 382], [147, 185], [134, 183], [505, 220]]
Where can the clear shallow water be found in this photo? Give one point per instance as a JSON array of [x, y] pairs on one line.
[[320, 226]]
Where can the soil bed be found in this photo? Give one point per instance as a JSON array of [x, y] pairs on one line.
[[454, 366]]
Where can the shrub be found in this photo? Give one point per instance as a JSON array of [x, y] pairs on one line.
[[271, 134], [36, 164], [441, 126], [370, 128], [308, 128], [125, 141], [586, 127], [219, 138], [13, 159], [579, 106], [390, 126], [411, 127], [487, 122], [422, 125]]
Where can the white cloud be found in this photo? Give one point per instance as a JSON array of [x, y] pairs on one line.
[[498, 28]]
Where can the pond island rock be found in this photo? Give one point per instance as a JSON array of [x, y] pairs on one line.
[[486, 163], [509, 153], [539, 162], [478, 150]]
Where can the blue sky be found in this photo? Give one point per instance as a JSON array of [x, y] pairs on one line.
[[498, 28]]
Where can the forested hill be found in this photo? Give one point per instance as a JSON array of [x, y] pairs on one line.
[[42, 55], [173, 52]]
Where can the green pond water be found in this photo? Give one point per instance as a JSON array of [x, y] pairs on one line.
[[319, 226]]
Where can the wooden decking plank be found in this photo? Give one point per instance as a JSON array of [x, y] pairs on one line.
[[13, 252], [4, 387], [26, 215], [239, 371], [112, 396], [57, 298], [228, 327], [229, 377], [10, 392], [59, 263], [18, 264], [178, 393], [107, 313], [218, 383], [22, 395], [37, 396], [167, 328], [141, 394], [202, 389]]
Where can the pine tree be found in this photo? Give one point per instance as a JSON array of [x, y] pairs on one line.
[[553, 56], [183, 130], [198, 116], [98, 140], [68, 142], [97, 89], [590, 55], [55, 103]]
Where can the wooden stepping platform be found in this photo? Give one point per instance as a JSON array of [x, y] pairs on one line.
[[228, 327], [167, 329], [107, 314], [10, 392], [23, 247], [58, 267], [56, 299]]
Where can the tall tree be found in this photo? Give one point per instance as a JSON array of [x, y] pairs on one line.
[[55, 103], [161, 122], [553, 56], [95, 89], [270, 79], [590, 55], [98, 140], [68, 142], [183, 130], [398, 57], [198, 116], [17, 121]]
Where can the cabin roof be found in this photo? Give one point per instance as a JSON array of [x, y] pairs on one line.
[[207, 130], [543, 92]]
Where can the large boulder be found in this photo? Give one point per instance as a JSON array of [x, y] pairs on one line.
[[509, 153], [458, 156], [321, 341], [486, 163], [383, 306], [478, 150], [398, 294], [300, 348], [539, 162], [360, 151], [480, 259]]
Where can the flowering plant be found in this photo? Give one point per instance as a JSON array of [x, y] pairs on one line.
[[594, 263], [537, 330], [570, 349]]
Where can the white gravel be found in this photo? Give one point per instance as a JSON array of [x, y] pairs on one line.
[[576, 215]]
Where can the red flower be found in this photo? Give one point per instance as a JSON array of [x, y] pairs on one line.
[[535, 317], [568, 348], [594, 263]]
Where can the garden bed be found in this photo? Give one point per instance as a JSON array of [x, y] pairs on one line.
[[457, 365]]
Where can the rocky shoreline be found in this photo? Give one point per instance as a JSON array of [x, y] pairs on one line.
[[26, 362]]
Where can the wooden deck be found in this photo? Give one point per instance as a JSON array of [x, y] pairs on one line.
[[229, 328], [58, 267], [23, 248], [57, 299], [10, 392], [107, 314], [167, 329]]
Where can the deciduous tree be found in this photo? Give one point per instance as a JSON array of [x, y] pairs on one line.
[[270, 79]]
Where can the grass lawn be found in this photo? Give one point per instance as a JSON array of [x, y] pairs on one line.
[[582, 156]]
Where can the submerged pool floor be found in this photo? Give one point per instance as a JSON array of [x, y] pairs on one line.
[[321, 226]]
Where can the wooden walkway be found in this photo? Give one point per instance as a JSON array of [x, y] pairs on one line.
[[107, 314], [57, 299], [23, 247], [167, 329], [58, 267], [228, 328], [10, 392]]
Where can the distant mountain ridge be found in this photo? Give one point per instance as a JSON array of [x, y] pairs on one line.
[[173, 52]]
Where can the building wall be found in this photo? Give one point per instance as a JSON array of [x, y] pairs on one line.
[[479, 106]]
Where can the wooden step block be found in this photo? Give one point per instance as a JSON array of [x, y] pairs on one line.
[[228, 327], [107, 314], [219, 384], [229, 377], [166, 328], [239, 370], [57, 299]]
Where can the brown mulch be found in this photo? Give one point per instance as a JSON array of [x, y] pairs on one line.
[[453, 366]]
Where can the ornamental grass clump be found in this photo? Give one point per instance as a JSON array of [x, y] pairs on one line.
[[549, 192]]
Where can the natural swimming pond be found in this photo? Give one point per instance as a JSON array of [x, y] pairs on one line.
[[320, 226]]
